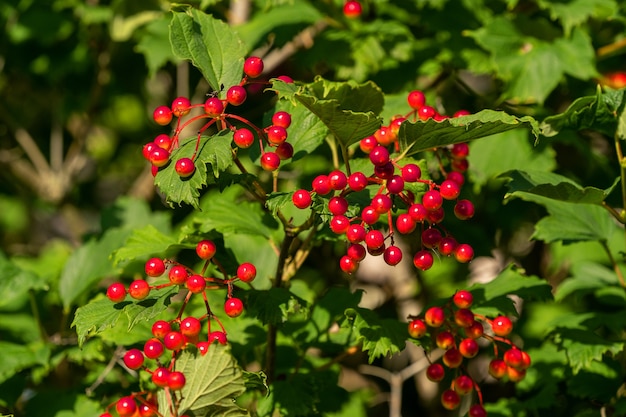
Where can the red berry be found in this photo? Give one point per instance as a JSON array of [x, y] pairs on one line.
[[284, 151], [475, 331], [464, 317], [154, 267], [497, 368], [459, 165], [339, 224], [463, 299], [464, 253], [148, 409], [160, 376], [357, 181], [285, 78], [217, 336], [426, 112], [423, 260], [178, 274], [233, 307], [436, 216], [348, 264], [352, 9], [435, 372], [368, 144], [405, 224], [431, 237], [203, 347], [190, 326], [195, 284], [276, 134], [418, 212], [379, 155], [395, 185], [411, 173], [162, 115], [515, 375], [356, 233], [444, 340], [513, 358], [432, 200], [447, 245], [139, 289], [392, 255], [460, 150], [174, 340], [450, 399], [159, 157], [416, 99], [270, 161], [116, 292], [185, 167], [126, 406], [382, 203], [356, 252], [369, 215], [281, 118], [301, 199], [456, 177], [253, 66], [213, 107], [385, 171], [153, 348], [374, 239], [246, 272], [463, 384], [236, 95], [163, 141], [434, 316], [385, 135], [243, 137], [501, 326], [133, 359], [147, 149], [452, 358], [525, 360], [477, 410], [206, 249], [176, 380], [337, 180], [337, 205], [181, 106], [464, 209], [449, 190], [321, 185], [160, 328], [417, 328], [468, 348]]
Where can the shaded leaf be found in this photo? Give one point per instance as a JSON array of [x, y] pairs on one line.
[[144, 242], [16, 282], [16, 357], [379, 337]]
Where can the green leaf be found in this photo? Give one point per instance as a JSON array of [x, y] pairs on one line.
[[586, 278], [347, 109], [213, 382], [211, 45], [576, 12], [101, 314], [583, 347], [421, 136], [604, 112], [273, 306], [214, 150], [150, 44], [379, 337], [16, 358], [16, 282], [144, 242]]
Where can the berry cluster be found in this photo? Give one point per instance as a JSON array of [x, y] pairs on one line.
[[214, 110], [397, 192], [458, 331], [179, 333]]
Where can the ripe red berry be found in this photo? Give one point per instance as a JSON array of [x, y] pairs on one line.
[[475, 331], [153, 348], [357, 181], [450, 399], [435, 372], [181, 106], [276, 134], [159, 377], [460, 150], [284, 151], [447, 245], [444, 340], [417, 328], [426, 112], [162, 115], [270, 161], [139, 289], [432, 200], [206, 249], [513, 358], [464, 209], [423, 260], [116, 292], [159, 157], [218, 336], [434, 316], [431, 237], [464, 317], [337, 205], [213, 107], [133, 359], [405, 224], [163, 141], [178, 274], [456, 177], [463, 384], [253, 66], [459, 165], [321, 185], [385, 171], [148, 409], [525, 360], [126, 406], [436, 216], [348, 264], [281, 118], [154, 267], [418, 212], [468, 348], [233, 307], [449, 190], [185, 167], [463, 299], [369, 215], [379, 155], [339, 224], [356, 233], [236, 95], [367, 144], [176, 380], [356, 252], [246, 272], [352, 9], [497, 368], [243, 137], [477, 410], [160, 328], [464, 253], [381, 203], [452, 358], [392, 255], [337, 180], [174, 340], [203, 347], [147, 149], [374, 239], [195, 284], [395, 185], [501, 326], [515, 375], [301, 199], [385, 135], [190, 326], [285, 78], [411, 173], [416, 99]]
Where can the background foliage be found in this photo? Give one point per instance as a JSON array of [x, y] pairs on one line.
[[78, 208]]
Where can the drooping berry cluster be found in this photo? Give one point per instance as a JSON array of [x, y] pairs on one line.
[[396, 198], [454, 328], [169, 338], [214, 110]]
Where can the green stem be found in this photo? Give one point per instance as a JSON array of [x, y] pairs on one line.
[[616, 268], [346, 158]]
